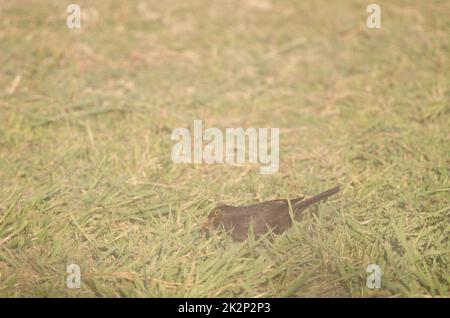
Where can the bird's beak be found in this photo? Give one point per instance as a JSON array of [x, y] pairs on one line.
[[206, 225]]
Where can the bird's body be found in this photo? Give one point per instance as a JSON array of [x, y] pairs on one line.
[[270, 215]]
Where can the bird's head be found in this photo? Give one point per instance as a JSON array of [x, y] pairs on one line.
[[212, 218]]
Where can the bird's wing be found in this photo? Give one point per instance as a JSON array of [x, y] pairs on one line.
[[296, 200], [277, 204]]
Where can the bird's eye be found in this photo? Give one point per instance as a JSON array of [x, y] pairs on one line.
[[216, 212]]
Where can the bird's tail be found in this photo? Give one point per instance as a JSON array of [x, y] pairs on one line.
[[301, 205]]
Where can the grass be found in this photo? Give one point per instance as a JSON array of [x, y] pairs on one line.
[[86, 175]]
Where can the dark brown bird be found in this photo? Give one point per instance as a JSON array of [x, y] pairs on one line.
[[270, 215]]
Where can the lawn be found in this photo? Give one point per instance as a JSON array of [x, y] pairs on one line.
[[86, 174]]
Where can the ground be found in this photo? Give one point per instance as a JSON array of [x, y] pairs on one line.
[[86, 175]]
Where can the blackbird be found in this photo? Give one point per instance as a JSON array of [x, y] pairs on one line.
[[270, 215]]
